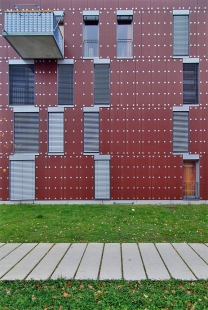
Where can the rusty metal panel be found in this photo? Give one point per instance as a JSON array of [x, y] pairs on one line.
[[115, 83], [149, 31], [193, 33], [107, 31], [133, 130], [73, 34], [203, 78], [115, 177], [175, 177], [127, 83], [164, 130], [55, 177], [105, 131], [118, 130], [128, 177], [71, 177], [159, 177], [159, 85], [43, 128], [86, 177], [41, 177], [143, 82], [143, 177], [196, 130], [174, 82], [203, 183], [149, 131]]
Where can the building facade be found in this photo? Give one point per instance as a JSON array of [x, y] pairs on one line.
[[104, 100]]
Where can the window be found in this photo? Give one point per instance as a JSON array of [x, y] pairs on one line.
[[101, 84], [180, 132], [91, 36], [65, 84], [22, 180], [91, 132], [26, 132], [190, 185], [102, 179], [21, 84], [124, 36], [56, 132], [190, 83], [180, 35]]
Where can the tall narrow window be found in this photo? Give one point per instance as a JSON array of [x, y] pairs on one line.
[[66, 84], [190, 186], [26, 132], [91, 36], [180, 35], [91, 132], [102, 179], [21, 84], [56, 132], [190, 83], [180, 132], [124, 36], [101, 84]]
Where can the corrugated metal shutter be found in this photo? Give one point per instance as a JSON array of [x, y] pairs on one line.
[[56, 132], [26, 132], [180, 132], [91, 132], [190, 83], [66, 84], [101, 84], [21, 84], [22, 180], [180, 35], [102, 179]]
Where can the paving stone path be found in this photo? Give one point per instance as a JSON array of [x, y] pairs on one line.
[[103, 261]]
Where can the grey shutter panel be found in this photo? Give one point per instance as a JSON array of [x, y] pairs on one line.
[[180, 35], [190, 83], [26, 132], [102, 179], [101, 84], [66, 84], [21, 84], [91, 132], [56, 132], [22, 180], [180, 132]]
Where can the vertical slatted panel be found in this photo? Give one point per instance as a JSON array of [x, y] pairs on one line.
[[180, 132], [101, 84], [190, 83], [21, 84], [180, 35], [102, 179], [26, 132], [91, 132], [66, 84], [22, 180], [56, 132]]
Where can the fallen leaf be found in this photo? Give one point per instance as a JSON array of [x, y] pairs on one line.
[[145, 296], [69, 283], [33, 297], [66, 294], [96, 296], [90, 287], [81, 286]]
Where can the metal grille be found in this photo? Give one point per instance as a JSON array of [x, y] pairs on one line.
[[101, 84], [180, 35], [190, 83], [180, 132], [91, 132], [102, 179], [66, 84], [56, 132]]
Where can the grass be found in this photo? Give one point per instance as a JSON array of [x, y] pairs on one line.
[[103, 223], [63, 294]]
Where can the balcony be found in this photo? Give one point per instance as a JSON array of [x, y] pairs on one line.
[[35, 34]]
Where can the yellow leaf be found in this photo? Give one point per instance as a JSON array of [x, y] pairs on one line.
[[66, 294], [90, 287]]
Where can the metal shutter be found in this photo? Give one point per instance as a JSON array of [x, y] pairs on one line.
[[102, 179], [22, 180], [21, 84], [190, 83], [180, 35], [26, 132], [91, 132], [180, 132], [56, 132], [101, 84], [66, 84]]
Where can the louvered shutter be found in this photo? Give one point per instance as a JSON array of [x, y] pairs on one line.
[[66, 84], [91, 132], [21, 84], [22, 180], [56, 132], [180, 35], [180, 132], [190, 83], [26, 132], [101, 84], [102, 179]]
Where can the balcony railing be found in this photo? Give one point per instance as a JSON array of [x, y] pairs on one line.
[[125, 48], [190, 190], [91, 48]]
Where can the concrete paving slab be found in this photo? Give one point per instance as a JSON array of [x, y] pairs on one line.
[[174, 263], [153, 263], [48, 264], [133, 268], [1, 244], [90, 264], [70, 262], [14, 257], [111, 262], [201, 249], [24, 267], [194, 262], [7, 248]]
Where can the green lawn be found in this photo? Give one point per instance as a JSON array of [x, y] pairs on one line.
[[103, 223]]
